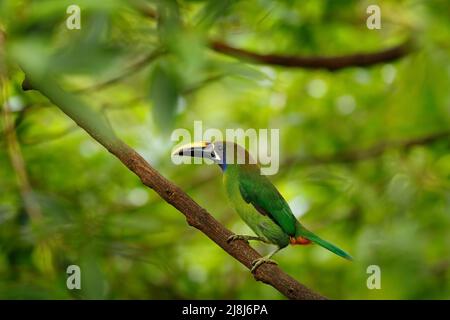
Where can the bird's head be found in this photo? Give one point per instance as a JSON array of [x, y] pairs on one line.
[[222, 153]]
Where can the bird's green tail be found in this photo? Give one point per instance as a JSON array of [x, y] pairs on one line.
[[303, 232]]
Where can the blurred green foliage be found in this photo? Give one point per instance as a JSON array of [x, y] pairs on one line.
[[392, 210]]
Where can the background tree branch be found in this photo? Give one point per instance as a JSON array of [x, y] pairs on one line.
[[196, 216], [331, 63], [368, 153], [31, 205]]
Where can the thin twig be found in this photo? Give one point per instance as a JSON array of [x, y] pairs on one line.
[[31, 205], [51, 136], [132, 69], [372, 152]]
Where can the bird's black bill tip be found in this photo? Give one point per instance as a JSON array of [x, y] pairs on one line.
[[191, 152]]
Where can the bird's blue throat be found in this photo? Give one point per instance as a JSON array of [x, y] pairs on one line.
[[223, 165]]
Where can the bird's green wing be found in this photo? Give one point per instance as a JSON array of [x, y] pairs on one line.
[[257, 190]]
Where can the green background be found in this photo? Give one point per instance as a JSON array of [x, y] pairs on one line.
[[391, 209]]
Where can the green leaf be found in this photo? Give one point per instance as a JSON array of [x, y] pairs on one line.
[[214, 10], [93, 282], [164, 93]]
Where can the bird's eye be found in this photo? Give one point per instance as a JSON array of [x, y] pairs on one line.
[[213, 155]]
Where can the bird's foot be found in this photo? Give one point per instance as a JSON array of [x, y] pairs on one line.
[[256, 263], [235, 237]]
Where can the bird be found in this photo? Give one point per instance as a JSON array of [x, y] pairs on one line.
[[256, 200]]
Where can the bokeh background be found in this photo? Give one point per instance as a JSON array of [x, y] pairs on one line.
[[364, 154]]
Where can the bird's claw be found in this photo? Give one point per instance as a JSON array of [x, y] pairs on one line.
[[256, 263], [235, 237]]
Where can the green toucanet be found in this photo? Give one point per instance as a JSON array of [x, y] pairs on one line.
[[256, 199]]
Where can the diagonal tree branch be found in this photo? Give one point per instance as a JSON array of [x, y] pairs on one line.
[[196, 216], [331, 63]]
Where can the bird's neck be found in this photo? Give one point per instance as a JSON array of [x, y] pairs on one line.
[[235, 168], [234, 155]]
